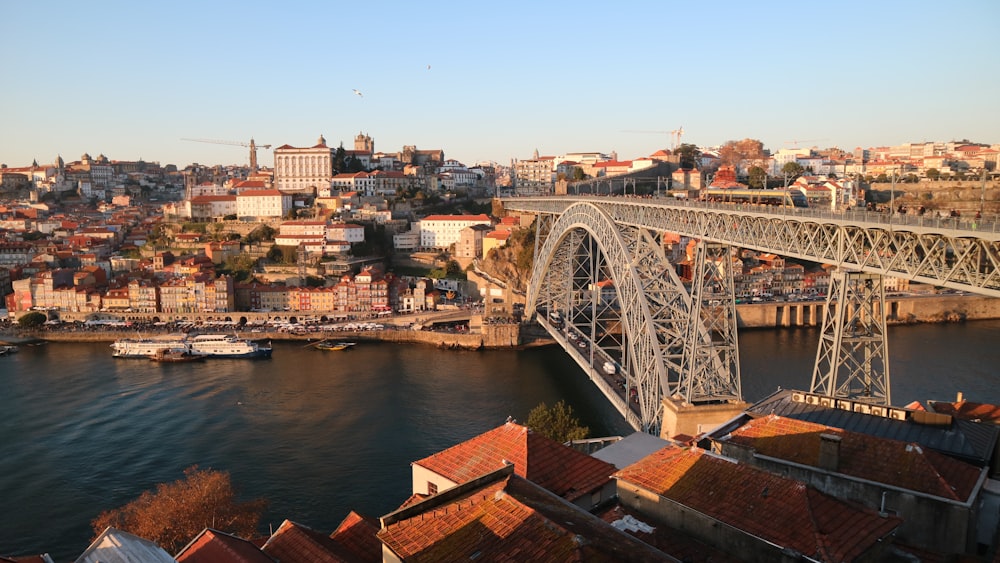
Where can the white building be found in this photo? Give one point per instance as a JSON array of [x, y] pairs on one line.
[[303, 169], [262, 203], [442, 231], [345, 232], [207, 207], [407, 241]]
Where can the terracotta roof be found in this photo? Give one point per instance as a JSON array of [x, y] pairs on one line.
[[211, 546], [356, 533], [509, 519], [259, 193], [560, 469], [779, 510], [295, 543], [882, 460], [480, 217]]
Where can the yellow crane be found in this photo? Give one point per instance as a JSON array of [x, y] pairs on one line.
[[253, 147]]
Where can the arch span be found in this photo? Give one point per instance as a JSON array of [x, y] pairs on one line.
[[653, 304]]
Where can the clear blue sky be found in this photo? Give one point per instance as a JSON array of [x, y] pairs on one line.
[[130, 79]]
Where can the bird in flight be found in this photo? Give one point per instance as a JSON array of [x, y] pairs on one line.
[[428, 67], [358, 92]]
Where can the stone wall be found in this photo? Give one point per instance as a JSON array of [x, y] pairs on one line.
[[901, 310]]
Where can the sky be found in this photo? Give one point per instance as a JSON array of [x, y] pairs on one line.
[[489, 81]]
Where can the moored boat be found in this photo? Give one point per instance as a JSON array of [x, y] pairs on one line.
[[145, 347], [227, 346], [334, 346], [204, 345], [173, 356]]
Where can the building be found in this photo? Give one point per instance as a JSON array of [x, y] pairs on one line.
[[574, 476], [442, 231], [305, 169], [741, 509], [535, 176], [258, 204], [470, 241]]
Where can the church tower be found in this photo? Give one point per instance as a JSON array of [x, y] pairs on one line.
[[364, 143]]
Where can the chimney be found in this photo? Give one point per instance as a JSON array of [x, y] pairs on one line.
[[959, 398], [829, 452]]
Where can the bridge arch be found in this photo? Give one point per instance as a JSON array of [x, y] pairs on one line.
[[654, 305]]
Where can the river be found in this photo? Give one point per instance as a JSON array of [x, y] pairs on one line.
[[321, 433]]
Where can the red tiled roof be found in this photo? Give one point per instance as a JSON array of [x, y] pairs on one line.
[[357, 534], [779, 510], [509, 519], [891, 462], [259, 193], [295, 543], [562, 470], [480, 217], [211, 546]]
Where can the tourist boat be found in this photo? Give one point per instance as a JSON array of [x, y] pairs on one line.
[[334, 346], [206, 345], [172, 356], [226, 346], [7, 349], [145, 347]]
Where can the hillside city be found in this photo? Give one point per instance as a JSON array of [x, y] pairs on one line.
[[351, 234], [345, 236]]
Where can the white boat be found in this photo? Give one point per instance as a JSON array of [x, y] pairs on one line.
[[146, 347], [206, 345], [226, 346]]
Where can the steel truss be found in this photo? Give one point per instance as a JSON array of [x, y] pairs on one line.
[[674, 344], [853, 356], [711, 371], [931, 251], [647, 322]]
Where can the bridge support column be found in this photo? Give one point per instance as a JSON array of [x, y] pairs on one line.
[[711, 360], [852, 361]]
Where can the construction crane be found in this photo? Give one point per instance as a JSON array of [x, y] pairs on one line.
[[675, 135], [795, 142], [253, 147]]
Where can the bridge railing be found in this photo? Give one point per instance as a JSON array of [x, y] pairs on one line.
[[929, 219]]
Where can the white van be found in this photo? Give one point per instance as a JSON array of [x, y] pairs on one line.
[[610, 368]]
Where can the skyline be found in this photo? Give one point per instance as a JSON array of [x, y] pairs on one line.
[[130, 81]]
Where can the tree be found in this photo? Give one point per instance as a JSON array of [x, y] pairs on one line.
[[932, 173], [558, 423], [734, 153], [758, 177], [176, 512], [792, 170], [688, 155], [33, 319]]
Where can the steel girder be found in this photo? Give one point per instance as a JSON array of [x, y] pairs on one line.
[[654, 304], [852, 360], [711, 371], [932, 251]]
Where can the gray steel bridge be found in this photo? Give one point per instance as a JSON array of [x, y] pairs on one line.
[[604, 289]]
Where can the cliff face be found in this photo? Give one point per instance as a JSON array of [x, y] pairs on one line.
[[512, 263]]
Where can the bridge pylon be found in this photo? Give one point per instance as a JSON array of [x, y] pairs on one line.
[[709, 390], [711, 366], [852, 360]]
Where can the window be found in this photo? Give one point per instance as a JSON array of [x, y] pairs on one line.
[[432, 488]]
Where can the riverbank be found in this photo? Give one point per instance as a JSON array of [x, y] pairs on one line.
[[900, 310], [493, 337]]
